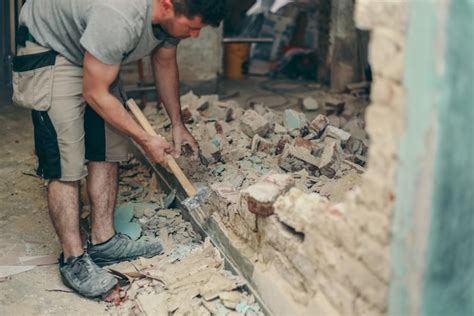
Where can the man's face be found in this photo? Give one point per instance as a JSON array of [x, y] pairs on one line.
[[183, 27]]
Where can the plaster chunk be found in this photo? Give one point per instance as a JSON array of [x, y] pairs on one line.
[[296, 208]]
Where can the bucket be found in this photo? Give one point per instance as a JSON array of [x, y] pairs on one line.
[[235, 54]]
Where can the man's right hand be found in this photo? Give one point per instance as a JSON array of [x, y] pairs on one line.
[[156, 148]]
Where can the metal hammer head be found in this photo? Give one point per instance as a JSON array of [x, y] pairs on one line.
[[195, 201]]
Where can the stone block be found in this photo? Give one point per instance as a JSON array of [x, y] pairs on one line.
[[253, 124], [310, 104], [261, 195]]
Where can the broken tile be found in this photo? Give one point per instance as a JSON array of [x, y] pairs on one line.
[[294, 120], [253, 123]]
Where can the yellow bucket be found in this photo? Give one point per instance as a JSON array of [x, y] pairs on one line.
[[235, 54]]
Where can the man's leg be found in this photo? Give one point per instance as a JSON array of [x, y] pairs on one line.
[[102, 186], [63, 201]]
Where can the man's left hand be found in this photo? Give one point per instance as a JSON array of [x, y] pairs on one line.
[[182, 136]]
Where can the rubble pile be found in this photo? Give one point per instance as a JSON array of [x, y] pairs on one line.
[[186, 281], [323, 143], [189, 277]]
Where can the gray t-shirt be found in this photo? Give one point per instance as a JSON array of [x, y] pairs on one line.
[[113, 31]]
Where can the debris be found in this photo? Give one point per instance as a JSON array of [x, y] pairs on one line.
[[133, 230], [261, 144], [261, 195], [310, 104], [282, 143], [336, 133], [333, 106], [354, 165], [304, 143], [297, 158], [210, 153], [319, 123], [279, 129], [331, 158], [253, 123], [336, 121], [294, 120]]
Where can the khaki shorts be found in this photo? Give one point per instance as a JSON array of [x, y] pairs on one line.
[[67, 131]]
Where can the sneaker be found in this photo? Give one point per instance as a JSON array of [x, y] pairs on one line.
[[122, 248], [83, 276]]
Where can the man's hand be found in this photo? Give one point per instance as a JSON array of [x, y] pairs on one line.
[[182, 136], [156, 148]]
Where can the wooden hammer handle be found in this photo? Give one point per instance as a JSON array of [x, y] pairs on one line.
[[145, 124]]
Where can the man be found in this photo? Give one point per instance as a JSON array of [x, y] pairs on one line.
[[66, 71]]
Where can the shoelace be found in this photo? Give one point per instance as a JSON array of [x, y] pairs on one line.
[[80, 268]]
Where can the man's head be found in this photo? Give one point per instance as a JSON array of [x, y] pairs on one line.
[[186, 18]]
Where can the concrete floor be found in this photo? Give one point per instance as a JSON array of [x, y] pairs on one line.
[[25, 228]]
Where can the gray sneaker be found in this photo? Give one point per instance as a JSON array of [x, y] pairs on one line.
[[122, 248], [85, 277]]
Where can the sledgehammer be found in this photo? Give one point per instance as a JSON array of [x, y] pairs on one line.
[[194, 196]]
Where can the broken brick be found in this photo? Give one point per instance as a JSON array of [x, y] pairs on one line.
[[253, 124], [331, 158], [210, 153], [281, 144], [297, 158], [319, 123], [336, 133], [260, 196], [305, 143], [262, 145]]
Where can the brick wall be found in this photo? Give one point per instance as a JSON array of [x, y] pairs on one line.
[[313, 256]]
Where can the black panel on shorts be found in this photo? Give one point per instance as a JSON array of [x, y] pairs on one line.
[[46, 146], [94, 127]]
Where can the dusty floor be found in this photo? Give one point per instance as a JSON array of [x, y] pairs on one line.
[[25, 228]]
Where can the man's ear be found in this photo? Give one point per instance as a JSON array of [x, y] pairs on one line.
[[167, 6]]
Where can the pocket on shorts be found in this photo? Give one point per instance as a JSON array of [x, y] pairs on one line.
[[33, 80]]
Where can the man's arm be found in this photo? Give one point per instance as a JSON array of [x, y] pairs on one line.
[[165, 71], [96, 82]]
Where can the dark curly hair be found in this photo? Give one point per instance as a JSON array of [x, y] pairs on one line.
[[212, 12]]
